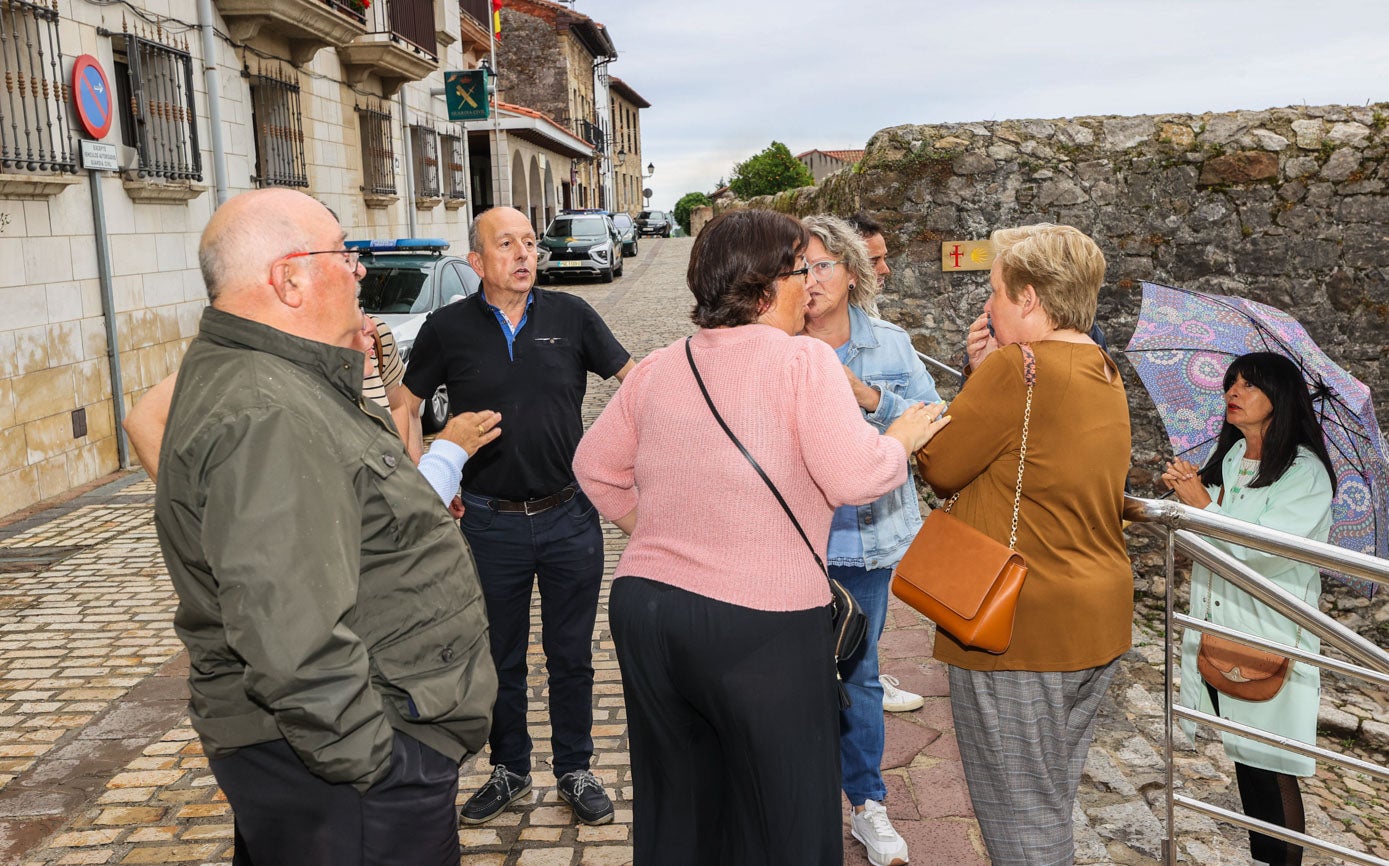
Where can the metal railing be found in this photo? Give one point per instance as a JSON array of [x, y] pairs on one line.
[[478, 10], [407, 21], [162, 111], [942, 366], [277, 120], [1180, 525], [34, 131], [378, 154]]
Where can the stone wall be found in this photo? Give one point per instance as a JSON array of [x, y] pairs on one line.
[[1286, 206]]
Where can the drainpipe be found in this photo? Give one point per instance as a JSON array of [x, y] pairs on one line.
[[409, 167], [214, 99]]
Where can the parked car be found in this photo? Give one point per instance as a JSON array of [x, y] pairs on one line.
[[580, 245], [406, 280], [653, 222], [627, 231]]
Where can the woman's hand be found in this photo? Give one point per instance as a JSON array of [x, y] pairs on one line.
[[867, 396], [916, 426], [979, 343], [1183, 478]]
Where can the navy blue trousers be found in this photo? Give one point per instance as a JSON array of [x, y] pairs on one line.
[[561, 549]]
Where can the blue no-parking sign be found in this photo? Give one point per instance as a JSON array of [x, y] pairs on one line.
[[91, 93]]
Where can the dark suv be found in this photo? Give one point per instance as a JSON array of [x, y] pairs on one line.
[[580, 245], [653, 222]]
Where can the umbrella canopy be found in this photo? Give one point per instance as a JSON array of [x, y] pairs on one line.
[[1181, 347]]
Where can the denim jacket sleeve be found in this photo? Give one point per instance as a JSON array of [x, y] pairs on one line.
[[917, 387]]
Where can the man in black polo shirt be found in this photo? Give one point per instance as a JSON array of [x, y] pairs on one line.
[[526, 353]]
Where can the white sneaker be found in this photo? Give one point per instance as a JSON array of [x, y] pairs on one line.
[[897, 700], [874, 830]]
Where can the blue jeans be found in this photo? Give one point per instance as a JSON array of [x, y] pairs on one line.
[[861, 732], [561, 549]]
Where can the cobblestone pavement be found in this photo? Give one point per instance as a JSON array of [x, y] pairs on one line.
[[99, 765]]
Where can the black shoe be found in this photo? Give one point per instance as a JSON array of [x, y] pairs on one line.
[[500, 791], [585, 795]]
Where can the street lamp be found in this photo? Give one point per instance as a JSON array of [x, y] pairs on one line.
[[646, 190]]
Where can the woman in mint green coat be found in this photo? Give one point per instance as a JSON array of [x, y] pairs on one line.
[[1270, 467]]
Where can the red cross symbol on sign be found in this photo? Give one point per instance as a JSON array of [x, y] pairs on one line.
[[955, 254]]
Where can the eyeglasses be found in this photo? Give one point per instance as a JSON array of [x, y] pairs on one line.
[[798, 272], [820, 271], [350, 257]]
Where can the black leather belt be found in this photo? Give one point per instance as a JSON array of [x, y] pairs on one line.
[[534, 506]]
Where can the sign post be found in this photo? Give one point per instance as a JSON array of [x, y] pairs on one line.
[[92, 97]]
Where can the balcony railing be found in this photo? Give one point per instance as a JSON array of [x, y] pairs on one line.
[[410, 20], [399, 44], [34, 133], [480, 10]]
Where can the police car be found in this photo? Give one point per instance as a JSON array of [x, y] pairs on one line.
[[406, 280]]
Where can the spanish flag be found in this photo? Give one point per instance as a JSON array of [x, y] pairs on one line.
[[497, 20]]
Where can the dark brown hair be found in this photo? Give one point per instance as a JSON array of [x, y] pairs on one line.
[[736, 261]]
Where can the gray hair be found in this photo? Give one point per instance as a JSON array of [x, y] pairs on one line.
[[843, 242]]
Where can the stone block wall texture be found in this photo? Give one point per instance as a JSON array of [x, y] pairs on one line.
[[1286, 206]]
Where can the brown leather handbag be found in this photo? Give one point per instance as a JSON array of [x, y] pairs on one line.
[[964, 581], [1241, 671]]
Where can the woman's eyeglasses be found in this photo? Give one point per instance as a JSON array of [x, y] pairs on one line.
[[798, 272], [820, 271]]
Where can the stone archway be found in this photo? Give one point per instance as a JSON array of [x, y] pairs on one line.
[[536, 194]]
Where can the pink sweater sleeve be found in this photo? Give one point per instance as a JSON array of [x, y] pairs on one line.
[[847, 458], [605, 462]]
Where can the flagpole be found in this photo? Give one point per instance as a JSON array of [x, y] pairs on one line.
[[496, 107]]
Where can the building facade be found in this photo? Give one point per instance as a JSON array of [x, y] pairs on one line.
[[823, 163], [342, 99], [554, 60], [628, 166]]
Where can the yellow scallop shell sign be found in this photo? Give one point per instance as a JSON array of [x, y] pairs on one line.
[[966, 256]]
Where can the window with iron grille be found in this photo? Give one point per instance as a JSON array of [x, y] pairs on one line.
[[378, 156], [451, 159], [278, 121], [424, 154], [34, 131], [160, 119]]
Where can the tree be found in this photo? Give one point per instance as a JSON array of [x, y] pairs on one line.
[[769, 172], [684, 208]]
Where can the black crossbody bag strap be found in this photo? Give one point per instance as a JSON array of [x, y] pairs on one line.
[[770, 486]]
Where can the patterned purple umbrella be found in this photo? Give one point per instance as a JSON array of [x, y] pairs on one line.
[[1181, 348]]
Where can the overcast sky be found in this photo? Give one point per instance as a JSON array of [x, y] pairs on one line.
[[727, 77]]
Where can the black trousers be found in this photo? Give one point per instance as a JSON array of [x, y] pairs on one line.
[[733, 724], [287, 816], [561, 550], [1272, 797]]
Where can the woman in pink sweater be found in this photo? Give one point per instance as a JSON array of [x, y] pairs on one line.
[[719, 609]]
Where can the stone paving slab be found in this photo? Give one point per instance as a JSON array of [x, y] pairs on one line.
[[99, 765]]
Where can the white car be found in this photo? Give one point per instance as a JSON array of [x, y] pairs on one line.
[[406, 280]]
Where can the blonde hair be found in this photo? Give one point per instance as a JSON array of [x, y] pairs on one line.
[[1061, 263], [843, 242]]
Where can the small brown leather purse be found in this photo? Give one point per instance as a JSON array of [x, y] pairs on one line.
[[961, 579], [1241, 671]]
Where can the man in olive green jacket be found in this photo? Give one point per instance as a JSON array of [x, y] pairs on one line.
[[337, 639]]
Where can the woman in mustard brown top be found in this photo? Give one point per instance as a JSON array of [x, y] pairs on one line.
[[1024, 717]]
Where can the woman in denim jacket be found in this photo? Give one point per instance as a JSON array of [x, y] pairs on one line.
[[866, 541]]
